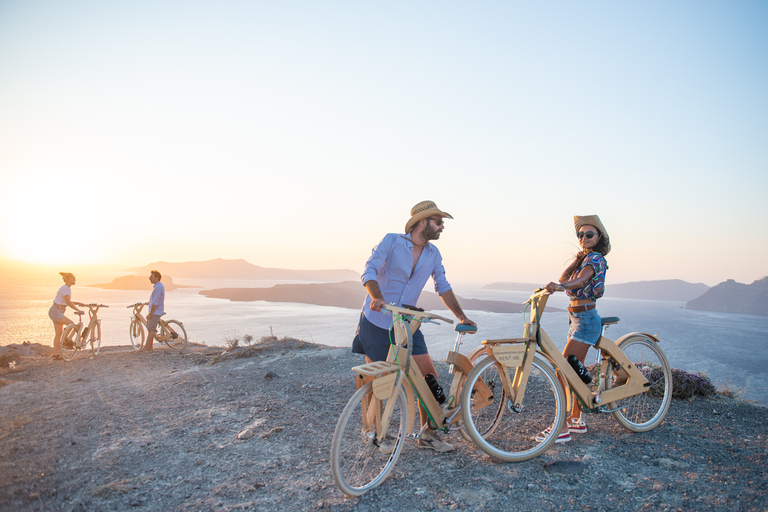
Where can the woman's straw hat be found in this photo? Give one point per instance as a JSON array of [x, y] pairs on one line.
[[593, 220], [423, 210]]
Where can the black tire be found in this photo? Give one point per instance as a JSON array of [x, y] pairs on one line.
[[493, 424], [178, 339], [357, 464], [645, 411], [69, 342], [137, 333]]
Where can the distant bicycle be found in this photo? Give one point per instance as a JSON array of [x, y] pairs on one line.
[[75, 337], [171, 332]]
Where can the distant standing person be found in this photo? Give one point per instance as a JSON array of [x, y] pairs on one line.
[[156, 309], [59, 307], [584, 282], [396, 272]]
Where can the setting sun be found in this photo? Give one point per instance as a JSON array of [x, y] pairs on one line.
[[42, 222]]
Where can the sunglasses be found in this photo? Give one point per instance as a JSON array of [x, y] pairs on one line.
[[438, 222], [586, 234]]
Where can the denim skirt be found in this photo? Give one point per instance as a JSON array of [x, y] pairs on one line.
[[584, 326]]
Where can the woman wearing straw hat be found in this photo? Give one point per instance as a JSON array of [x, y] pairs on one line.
[[396, 272], [56, 313], [584, 282]]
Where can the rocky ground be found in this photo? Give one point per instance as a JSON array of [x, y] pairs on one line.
[[163, 431]]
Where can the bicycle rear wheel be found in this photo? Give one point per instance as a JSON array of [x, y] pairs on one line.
[[645, 411], [178, 339], [137, 334], [491, 420], [69, 341], [96, 338], [358, 462], [462, 381]]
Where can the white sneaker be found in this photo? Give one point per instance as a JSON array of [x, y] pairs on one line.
[[577, 426]]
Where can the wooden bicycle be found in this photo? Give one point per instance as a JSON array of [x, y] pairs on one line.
[[526, 377], [373, 426], [75, 337], [171, 332]]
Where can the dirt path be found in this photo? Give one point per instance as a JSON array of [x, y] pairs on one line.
[[159, 431]]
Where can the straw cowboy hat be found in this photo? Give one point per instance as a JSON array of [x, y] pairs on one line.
[[423, 210], [593, 220]]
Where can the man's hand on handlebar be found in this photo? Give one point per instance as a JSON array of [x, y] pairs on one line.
[[376, 304]]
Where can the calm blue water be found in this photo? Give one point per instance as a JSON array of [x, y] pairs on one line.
[[728, 348]]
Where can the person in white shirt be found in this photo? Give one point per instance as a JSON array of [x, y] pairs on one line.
[[59, 307], [156, 309]]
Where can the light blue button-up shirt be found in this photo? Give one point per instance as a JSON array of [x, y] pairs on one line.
[[390, 266], [157, 299]]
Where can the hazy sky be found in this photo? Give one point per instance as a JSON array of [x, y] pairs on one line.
[[296, 134]]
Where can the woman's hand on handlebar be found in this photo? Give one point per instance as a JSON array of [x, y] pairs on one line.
[[553, 287]]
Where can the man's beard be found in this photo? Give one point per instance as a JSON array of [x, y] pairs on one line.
[[430, 233]]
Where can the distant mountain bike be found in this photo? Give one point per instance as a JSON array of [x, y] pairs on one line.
[[531, 383], [171, 332], [75, 337]]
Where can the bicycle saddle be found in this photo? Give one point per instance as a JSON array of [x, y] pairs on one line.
[[466, 328]]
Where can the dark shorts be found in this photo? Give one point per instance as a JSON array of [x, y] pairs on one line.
[[374, 341], [152, 322], [585, 326]]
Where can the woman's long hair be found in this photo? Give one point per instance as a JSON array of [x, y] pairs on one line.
[[601, 246]]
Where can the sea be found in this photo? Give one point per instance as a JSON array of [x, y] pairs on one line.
[[731, 349]]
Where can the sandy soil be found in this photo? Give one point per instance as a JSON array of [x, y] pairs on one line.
[[159, 431]]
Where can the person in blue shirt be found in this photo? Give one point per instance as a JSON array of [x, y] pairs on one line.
[[396, 272], [156, 309]]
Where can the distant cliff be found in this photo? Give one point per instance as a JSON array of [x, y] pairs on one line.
[[670, 289], [349, 294], [733, 297], [241, 269]]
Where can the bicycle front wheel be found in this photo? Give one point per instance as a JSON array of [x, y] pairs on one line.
[[69, 341], [138, 336], [96, 338], [491, 420], [178, 339], [645, 411], [359, 462]]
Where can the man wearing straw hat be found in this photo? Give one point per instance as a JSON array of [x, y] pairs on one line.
[[396, 272]]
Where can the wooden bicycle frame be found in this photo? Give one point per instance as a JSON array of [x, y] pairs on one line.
[[164, 334], [389, 375], [519, 353], [93, 309]]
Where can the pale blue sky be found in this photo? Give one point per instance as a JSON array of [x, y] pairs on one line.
[[295, 134]]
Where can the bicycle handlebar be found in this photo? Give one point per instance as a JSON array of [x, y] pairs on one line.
[[422, 316], [137, 304]]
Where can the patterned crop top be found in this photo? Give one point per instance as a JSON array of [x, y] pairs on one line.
[[595, 287]]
